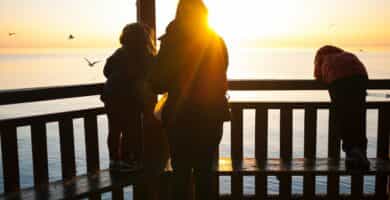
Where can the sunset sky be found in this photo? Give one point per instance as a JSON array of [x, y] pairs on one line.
[[258, 23]]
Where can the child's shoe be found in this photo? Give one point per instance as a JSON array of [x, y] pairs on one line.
[[357, 159]]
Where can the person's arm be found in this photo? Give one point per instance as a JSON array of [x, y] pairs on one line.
[[108, 67], [161, 71], [225, 55], [111, 63]]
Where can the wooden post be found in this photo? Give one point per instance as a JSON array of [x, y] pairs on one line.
[[39, 151], [286, 139], [146, 13], [381, 182], [68, 162], [261, 147], [237, 150], [310, 143], [91, 143], [9, 150], [334, 155]]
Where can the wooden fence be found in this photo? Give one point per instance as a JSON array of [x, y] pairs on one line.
[[9, 143]]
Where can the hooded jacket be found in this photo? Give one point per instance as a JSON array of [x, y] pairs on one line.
[[191, 66], [123, 70], [339, 66]]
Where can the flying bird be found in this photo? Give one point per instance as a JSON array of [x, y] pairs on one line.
[[91, 64], [70, 37], [11, 34]]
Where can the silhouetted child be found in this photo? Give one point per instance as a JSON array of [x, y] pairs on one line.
[[126, 72], [347, 79]]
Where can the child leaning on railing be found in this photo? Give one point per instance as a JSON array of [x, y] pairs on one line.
[[347, 78]]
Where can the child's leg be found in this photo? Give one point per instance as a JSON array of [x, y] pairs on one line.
[[114, 133], [352, 126], [348, 98], [132, 137]]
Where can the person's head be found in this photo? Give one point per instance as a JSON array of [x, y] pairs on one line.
[[325, 51], [139, 37], [192, 11]]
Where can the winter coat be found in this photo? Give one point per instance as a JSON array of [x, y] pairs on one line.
[[124, 71], [191, 66], [339, 66]]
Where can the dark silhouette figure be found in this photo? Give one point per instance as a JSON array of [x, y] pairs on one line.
[[347, 79], [191, 67], [123, 97], [71, 37]]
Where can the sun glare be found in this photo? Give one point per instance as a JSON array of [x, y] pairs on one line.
[[237, 20]]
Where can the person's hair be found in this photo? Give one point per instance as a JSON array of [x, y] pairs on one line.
[[325, 51], [138, 36], [192, 10]]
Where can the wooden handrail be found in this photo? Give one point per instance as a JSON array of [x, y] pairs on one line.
[[48, 93], [51, 117], [60, 92], [66, 129]]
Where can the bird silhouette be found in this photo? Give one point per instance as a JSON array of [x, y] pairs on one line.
[[70, 37], [11, 34], [92, 64]]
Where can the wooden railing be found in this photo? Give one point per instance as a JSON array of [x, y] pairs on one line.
[[9, 143]]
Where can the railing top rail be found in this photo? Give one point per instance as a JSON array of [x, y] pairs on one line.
[[60, 92], [51, 117]]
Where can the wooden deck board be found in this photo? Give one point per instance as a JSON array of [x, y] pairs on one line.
[[299, 167], [78, 187], [104, 181]]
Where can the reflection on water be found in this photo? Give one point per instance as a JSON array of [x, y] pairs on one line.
[[62, 67]]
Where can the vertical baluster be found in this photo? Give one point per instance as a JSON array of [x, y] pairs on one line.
[[9, 150], [261, 146], [285, 149], [117, 193], [357, 181], [67, 149], [139, 191], [39, 151], [357, 186], [381, 182], [236, 151], [91, 140], [334, 154], [92, 147], [236, 134], [310, 140]]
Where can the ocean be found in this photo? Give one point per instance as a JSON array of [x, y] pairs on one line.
[[26, 68]]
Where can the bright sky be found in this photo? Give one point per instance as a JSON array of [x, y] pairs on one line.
[[275, 23]]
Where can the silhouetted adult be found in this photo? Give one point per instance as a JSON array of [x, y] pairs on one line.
[[191, 67], [347, 79]]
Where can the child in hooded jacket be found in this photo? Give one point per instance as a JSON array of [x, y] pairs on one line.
[[346, 77], [126, 72]]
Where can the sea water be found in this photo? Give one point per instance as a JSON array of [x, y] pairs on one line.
[[27, 68]]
